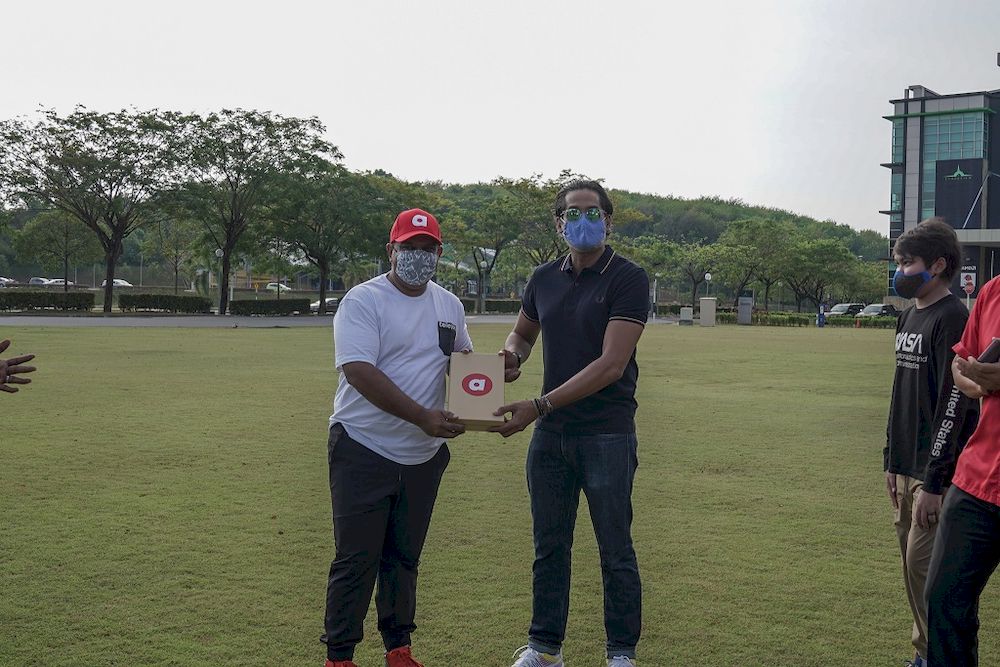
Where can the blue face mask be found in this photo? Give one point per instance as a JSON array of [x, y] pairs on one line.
[[584, 235], [908, 286]]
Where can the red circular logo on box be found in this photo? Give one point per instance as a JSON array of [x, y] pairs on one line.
[[477, 384]]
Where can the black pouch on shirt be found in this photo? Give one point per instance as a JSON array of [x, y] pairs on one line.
[[446, 337]]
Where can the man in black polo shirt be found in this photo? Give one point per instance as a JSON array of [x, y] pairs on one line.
[[591, 306]]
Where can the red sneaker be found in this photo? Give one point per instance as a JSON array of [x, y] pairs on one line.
[[340, 663], [400, 657]]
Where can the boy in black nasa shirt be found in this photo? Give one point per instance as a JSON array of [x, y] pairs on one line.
[[929, 419]]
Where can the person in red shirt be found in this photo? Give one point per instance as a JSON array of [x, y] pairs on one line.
[[967, 548]]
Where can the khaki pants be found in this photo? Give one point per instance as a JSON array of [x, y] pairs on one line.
[[915, 546]]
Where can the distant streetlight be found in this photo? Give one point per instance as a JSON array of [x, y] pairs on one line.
[[219, 254], [482, 287]]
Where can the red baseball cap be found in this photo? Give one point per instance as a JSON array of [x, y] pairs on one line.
[[412, 223]]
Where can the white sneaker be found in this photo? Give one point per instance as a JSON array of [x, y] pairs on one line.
[[529, 657], [621, 661]]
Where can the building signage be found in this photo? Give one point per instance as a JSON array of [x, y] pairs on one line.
[[965, 282], [968, 282], [957, 184]]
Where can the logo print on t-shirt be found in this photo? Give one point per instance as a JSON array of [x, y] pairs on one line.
[[477, 384], [910, 342], [420, 221]]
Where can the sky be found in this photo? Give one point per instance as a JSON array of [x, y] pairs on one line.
[[776, 103]]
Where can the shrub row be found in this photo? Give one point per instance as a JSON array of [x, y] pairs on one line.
[[770, 319], [268, 306], [173, 303], [809, 320], [878, 322], [493, 305], [30, 300]]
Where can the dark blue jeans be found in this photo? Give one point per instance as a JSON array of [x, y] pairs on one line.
[[603, 466], [966, 552]]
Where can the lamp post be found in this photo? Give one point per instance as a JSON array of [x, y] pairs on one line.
[[219, 254], [656, 293], [482, 286]]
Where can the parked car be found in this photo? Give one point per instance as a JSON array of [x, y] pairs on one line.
[[278, 287], [116, 282], [7, 282], [331, 305], [845, 309], [879, 310], [59, 282], [35, 281]]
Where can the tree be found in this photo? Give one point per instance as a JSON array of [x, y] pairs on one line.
[[54, 239], [812, 266], [271, 254], [870, 246], [653, 254], [235, 158], [176, 242], [484, 222], [771, 239], [737, 265], [864, 282], [336, 216], [753, 247], [693, 261], [538, 238], [101, 169]]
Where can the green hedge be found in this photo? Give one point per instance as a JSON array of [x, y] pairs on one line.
[[878, 322], [765, 319], [269, 306], [493, 305], [809, 320], [668, 309], [169, 302], [16, 299]]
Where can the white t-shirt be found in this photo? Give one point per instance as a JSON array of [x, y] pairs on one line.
[[398, 334]]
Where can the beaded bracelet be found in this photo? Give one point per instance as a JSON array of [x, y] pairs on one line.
[[543, 406]]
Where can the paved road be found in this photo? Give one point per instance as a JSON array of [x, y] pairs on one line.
[[210, 321]]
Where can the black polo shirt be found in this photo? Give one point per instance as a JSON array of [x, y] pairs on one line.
[[574, 309]]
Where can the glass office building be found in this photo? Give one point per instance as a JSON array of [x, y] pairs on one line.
[[942, 150]]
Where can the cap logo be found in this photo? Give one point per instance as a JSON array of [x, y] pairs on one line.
[[419, 221], [477, 384]]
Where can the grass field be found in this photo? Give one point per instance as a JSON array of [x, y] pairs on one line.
[[163, 501]]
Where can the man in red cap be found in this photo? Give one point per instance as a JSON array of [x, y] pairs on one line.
[[393, 337]]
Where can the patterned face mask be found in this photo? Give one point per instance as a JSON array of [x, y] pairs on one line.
[[416, 267]]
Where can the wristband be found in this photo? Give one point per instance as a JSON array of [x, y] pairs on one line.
[[543, 406]]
